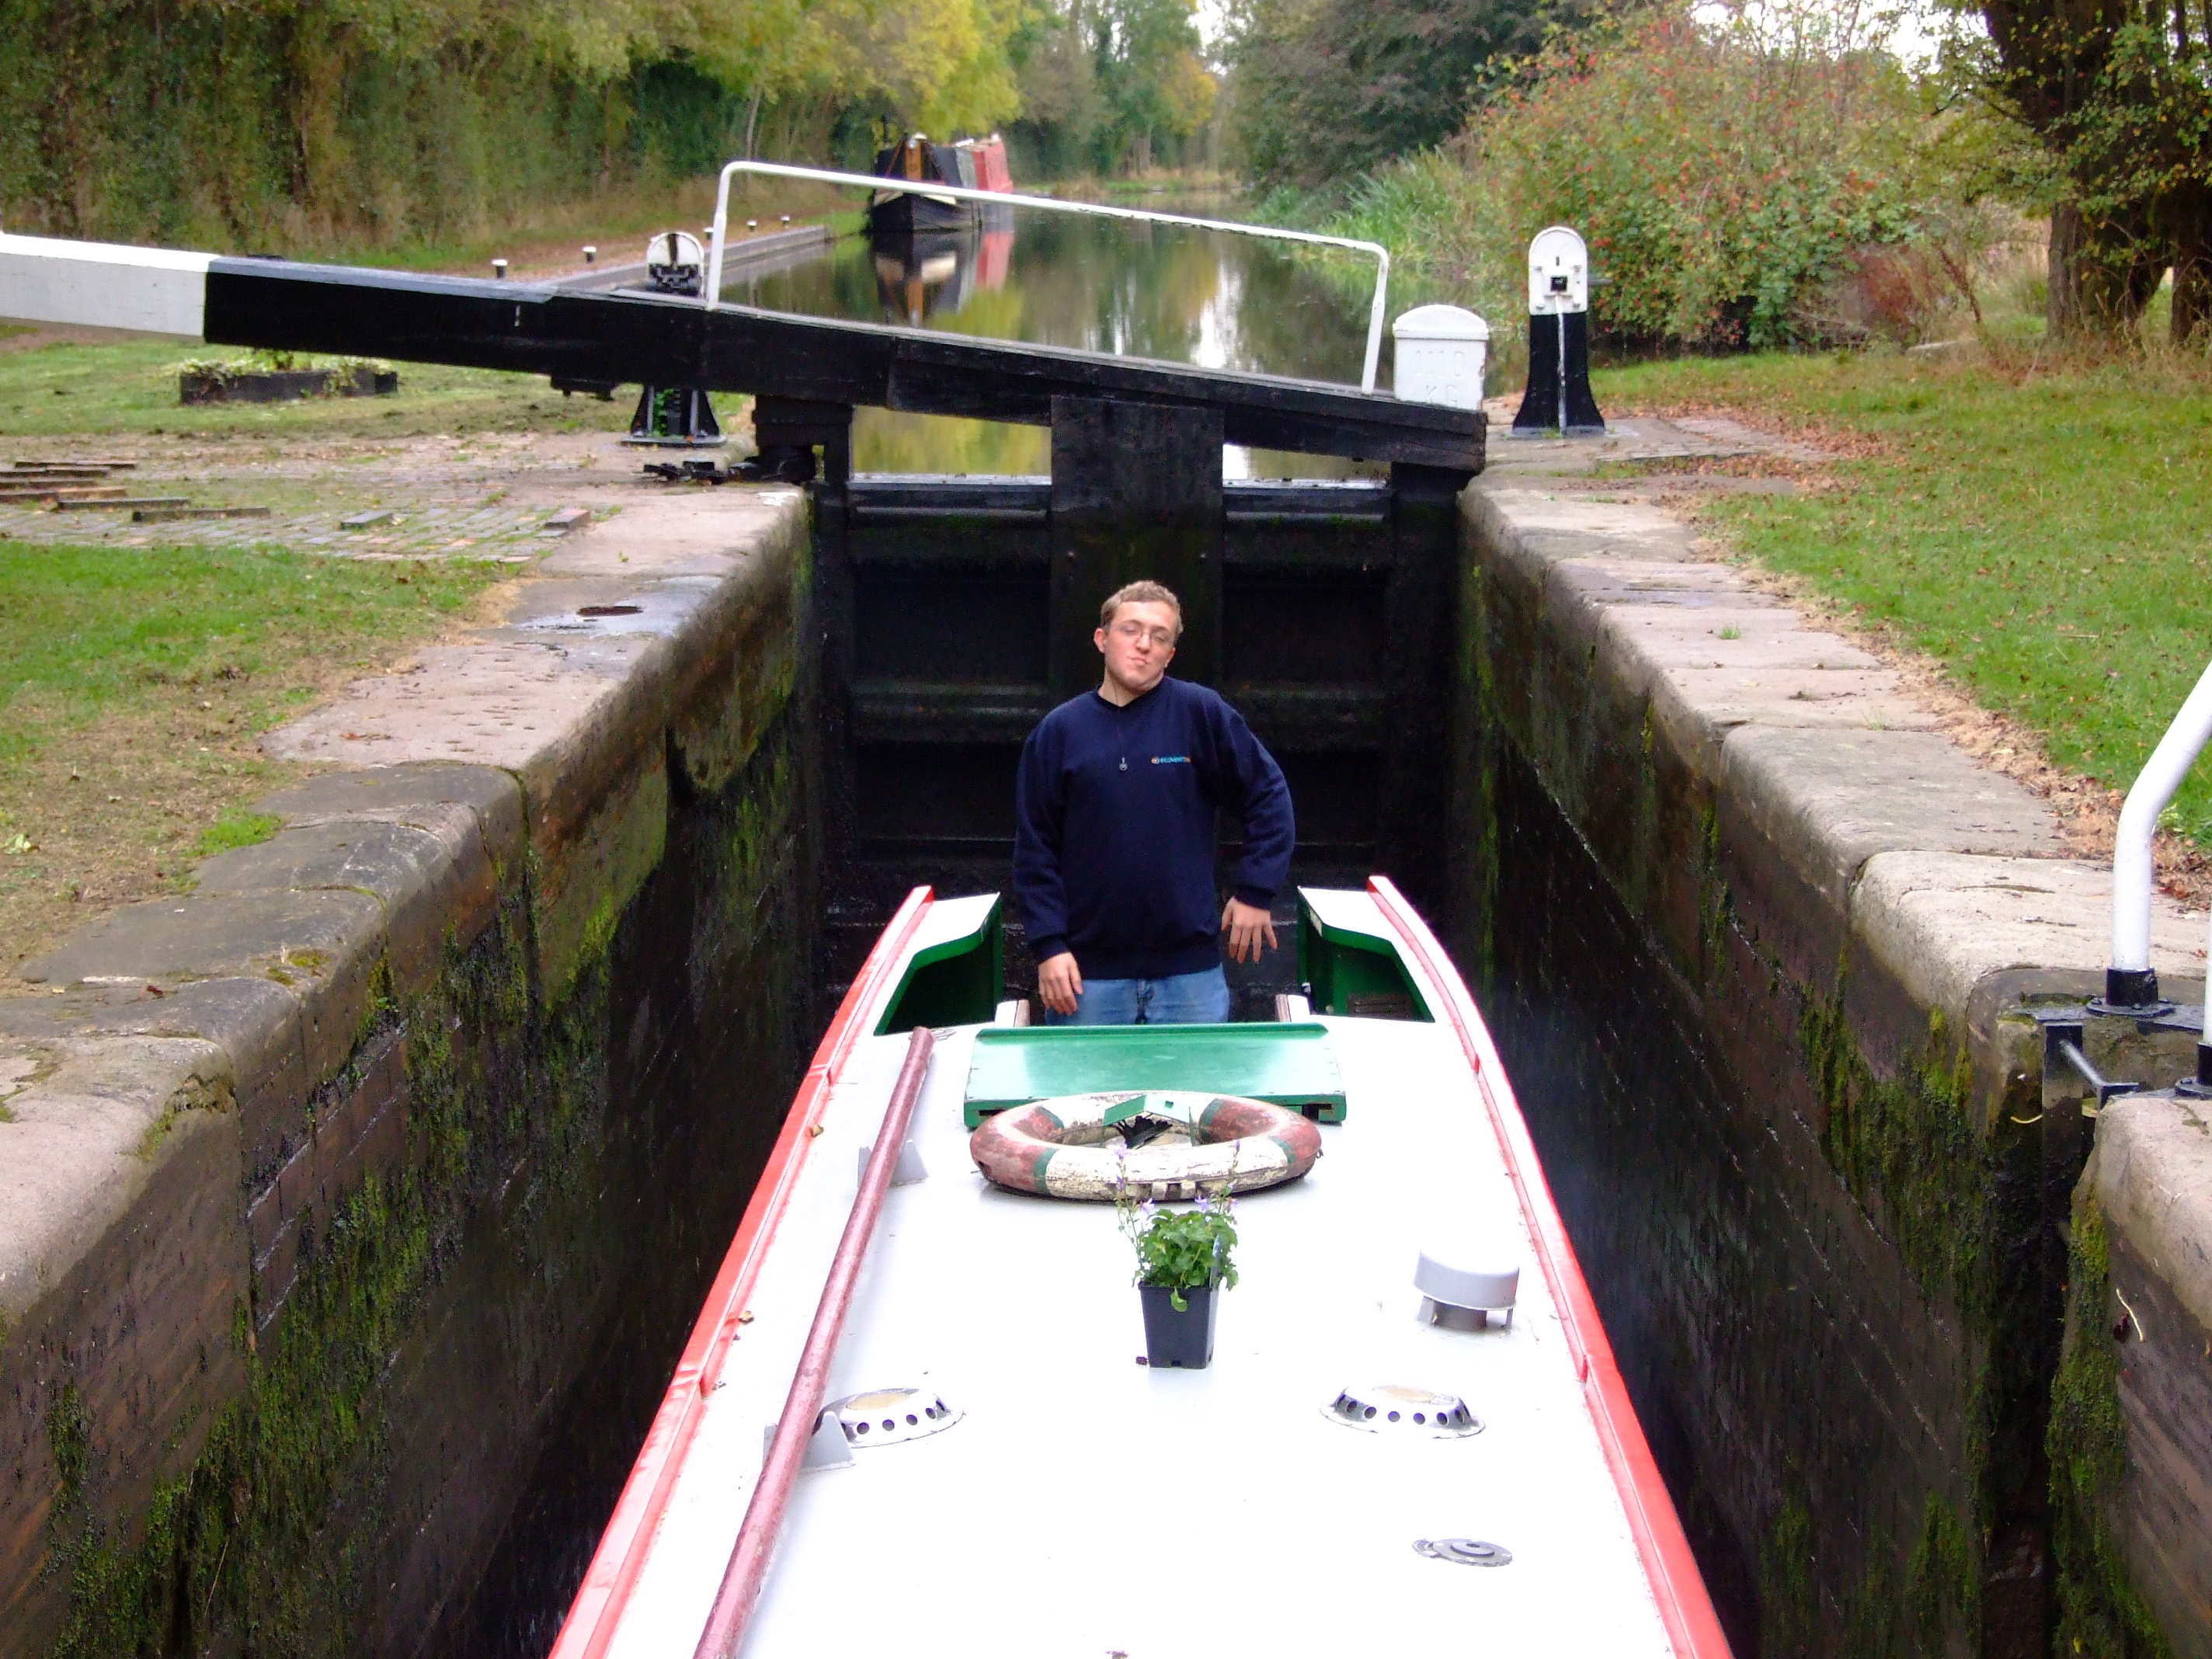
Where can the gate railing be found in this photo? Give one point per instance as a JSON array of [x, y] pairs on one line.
[[1091, 210]]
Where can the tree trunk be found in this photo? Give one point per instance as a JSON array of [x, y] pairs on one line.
[[2102, 274], [2189, 232]]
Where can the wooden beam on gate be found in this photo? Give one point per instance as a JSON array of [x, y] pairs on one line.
[[665, 340], [1136, 494]]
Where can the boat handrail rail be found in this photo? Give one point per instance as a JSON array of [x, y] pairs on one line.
[[747, 1571], [1092, 209], [619, 1559]]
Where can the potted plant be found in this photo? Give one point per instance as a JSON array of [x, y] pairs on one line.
[[1183, 1259]]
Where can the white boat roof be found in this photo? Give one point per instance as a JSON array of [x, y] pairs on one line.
[[1088, 1504]]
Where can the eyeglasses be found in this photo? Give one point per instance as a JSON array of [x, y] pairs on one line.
[[1133, 631]]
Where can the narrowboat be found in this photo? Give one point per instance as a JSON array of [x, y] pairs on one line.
[[923, 1410], [970, 164]]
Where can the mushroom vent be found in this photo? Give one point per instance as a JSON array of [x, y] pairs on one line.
[[886, 1416], [1400, 1409], [1462, 1283]]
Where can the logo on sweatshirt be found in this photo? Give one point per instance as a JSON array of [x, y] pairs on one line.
[[1170, 760]]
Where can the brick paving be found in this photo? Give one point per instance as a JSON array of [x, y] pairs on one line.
[[483, 498]]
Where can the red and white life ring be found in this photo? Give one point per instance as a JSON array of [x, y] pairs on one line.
[[1064, 1148]]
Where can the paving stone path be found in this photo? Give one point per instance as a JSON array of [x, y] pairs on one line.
[[1644, 440]]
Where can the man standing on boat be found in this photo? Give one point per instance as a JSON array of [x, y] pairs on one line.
[[1114, 833]]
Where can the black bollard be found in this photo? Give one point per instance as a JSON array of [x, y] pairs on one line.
[[674, 417], [1558, 399]]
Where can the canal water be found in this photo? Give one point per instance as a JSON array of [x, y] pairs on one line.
[[1212, 298]]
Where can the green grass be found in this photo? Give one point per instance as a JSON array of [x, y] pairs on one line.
[[234, 830], [131, 387], [2039, 530], [135, 685], [83, 630]]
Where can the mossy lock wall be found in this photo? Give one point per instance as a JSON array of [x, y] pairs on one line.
[[501, 1214], [1819, 1264]]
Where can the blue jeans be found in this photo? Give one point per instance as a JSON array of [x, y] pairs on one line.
[[1201, 999]]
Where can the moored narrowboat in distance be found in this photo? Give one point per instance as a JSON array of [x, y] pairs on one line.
[[907, 1418], [969, 164]]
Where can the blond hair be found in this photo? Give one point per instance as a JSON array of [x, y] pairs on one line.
[[1144, 593]]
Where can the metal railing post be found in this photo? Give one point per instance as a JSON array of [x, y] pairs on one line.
[[1093, 209], [2130, 982]]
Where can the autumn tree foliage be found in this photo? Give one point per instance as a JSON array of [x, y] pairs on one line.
[[1111, 87], [260, 121], [1725, 173], [2119, 93], [1327, 89]]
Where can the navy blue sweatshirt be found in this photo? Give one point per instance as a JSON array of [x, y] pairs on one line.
[[1114, 836]]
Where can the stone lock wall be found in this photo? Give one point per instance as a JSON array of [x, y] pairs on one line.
[[352, 1206], [1762, 950]]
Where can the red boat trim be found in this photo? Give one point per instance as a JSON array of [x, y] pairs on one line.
[[1679, 1588], [802, 1407], [596, 1614]]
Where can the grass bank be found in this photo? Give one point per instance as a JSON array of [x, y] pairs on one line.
[[2033, 525], [136, 685], [136, 682], [52, 385]]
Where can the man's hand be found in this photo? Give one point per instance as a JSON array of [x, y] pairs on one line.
[[1060, 982], [1246, 925]]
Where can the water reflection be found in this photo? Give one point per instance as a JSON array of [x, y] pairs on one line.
[[1162, 291]]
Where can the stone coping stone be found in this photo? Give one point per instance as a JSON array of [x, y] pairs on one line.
[[322, 946], [563, 702], [87, 1136], [1947, 922], [1950, 876], [450, 801], [1831, 797], [428, 885], [223, 1010], [2152, 1178], [1950, 872]]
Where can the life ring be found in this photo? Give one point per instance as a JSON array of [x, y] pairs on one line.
[[1078, 1147]]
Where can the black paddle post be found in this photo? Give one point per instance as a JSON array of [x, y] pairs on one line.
[[1559, 400], [675, 416]]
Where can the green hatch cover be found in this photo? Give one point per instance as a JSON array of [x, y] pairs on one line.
[[1286, 1065]]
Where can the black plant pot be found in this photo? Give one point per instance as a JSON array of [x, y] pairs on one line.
[[274, 385], [1185, 1339]]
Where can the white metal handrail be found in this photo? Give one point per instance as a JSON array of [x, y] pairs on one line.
[[2148, 798], [1095, 210]]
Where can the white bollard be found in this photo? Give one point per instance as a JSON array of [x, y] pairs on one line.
[[1440, 353]]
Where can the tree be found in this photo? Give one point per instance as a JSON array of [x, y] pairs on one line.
[[1112, 85], [1329, 88], [2117, 90]]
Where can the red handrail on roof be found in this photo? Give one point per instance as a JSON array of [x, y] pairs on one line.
[[623, 1549], [1692, 1627], [748, 1557]]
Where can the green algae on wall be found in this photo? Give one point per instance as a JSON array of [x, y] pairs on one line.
[[1906, 1145], [1937, 1599], [272, 1542], [242, 1545], [2100, 1614]]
